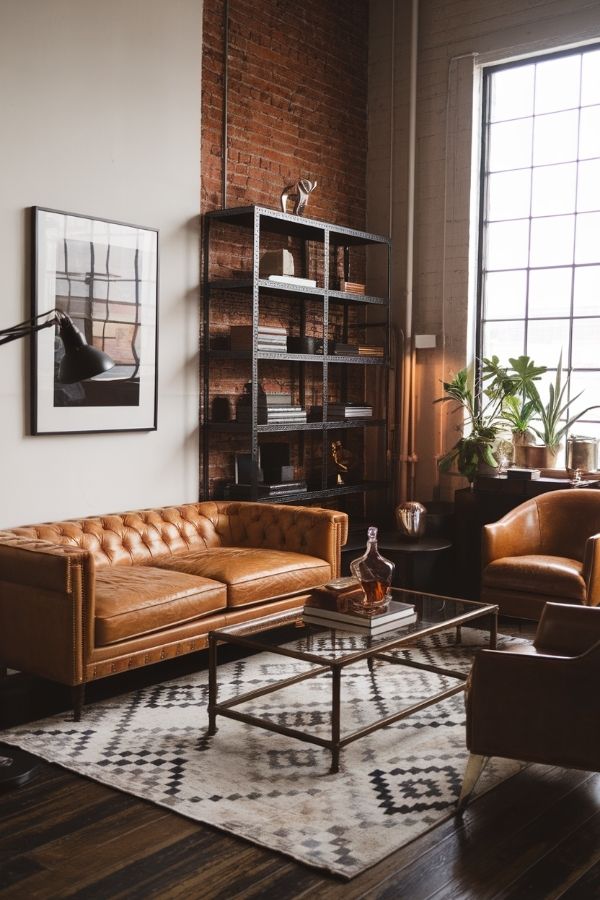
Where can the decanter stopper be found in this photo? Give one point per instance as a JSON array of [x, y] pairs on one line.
[[375, 575]]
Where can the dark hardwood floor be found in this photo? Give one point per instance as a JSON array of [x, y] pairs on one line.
[[536, 836]]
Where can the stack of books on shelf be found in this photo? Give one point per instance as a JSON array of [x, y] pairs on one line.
[[349, 411], [332, 606], [270, 339], [279, 489], [279, 411], [368, 350]]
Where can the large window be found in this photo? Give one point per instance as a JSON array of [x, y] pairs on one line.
[[539, 283]]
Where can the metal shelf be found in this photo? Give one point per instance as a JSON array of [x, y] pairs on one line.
[[298, 357], [331, 425], [326, 493]]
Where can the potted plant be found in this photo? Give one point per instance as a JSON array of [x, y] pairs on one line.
[[553, 417], [519, 405], [482, 410]]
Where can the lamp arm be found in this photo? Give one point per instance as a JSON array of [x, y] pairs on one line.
[[30, 326]]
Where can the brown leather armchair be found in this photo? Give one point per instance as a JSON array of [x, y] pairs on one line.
[[540, 703], [546, 549]]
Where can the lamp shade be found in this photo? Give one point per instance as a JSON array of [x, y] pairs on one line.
[[80, 360]]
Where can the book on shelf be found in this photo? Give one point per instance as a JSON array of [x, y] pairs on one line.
[[272, 414], [278, 399], [340, 349], [351, 287], [268, 338], [365, 350], [349, 411], [295, 280], [244, 491]]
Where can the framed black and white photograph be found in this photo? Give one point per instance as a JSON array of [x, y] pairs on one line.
[[100, 279]]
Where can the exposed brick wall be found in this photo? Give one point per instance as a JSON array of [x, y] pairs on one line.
[[297, 108]]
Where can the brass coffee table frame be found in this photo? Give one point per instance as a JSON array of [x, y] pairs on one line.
[[241, 635]]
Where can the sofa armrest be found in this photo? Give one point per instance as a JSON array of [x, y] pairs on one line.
[[535, 707], [46, 607], [297, 529], [567, 629]]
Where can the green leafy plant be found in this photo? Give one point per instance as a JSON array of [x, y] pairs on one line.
[[553, 414], [482, 413], [519, 404]]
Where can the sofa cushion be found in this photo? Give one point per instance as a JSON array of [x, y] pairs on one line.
[[253, 575], [554, 576], [136, 600]]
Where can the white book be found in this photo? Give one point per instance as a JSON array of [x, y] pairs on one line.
[[293, 279]]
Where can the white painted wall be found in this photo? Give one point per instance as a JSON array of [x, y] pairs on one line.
[[454, 39], [100, 115]]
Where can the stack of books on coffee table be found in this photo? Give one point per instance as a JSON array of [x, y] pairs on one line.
[[334, 609]]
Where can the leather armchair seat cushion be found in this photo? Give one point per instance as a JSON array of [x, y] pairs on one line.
[[552, 576], [252, 575], [136, 600]]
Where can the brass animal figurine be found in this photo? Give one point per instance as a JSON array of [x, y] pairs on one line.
[[298, 192]]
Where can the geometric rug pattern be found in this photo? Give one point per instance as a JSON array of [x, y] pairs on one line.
[[393, 784]]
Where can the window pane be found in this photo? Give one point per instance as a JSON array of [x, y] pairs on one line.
[[552, 241], [587, 291], [587, 244], [588, 186], [507, 245], [557, 84], [504, 295], [589, 383], [553, 190], [505, 339], [545, 340], [510, 145], [555, 138], [508, 195], [585, 343], [549, 292], [512, 93], [589, 132], [590, 78]]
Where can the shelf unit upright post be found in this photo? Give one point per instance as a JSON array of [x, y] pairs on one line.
[[332, 237]]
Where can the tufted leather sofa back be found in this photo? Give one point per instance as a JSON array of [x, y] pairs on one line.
[[134, 538], [143, 536]]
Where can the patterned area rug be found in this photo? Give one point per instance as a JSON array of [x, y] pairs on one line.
[[393, 785]]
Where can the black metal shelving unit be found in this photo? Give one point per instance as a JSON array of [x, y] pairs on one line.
[[260, 221]]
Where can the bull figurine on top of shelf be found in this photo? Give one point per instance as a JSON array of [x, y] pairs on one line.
[[298, 192]]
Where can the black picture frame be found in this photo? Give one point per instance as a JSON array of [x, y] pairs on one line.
[[104, 275]]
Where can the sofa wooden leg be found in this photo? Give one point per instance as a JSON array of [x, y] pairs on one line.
[[475, 766], [78, 699]]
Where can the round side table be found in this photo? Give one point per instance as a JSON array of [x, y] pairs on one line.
[[407, 553]]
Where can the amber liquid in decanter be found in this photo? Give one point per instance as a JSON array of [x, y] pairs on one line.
[[374, 572]]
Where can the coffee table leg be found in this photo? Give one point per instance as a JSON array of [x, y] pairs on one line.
[[212, 684], [458, 634], [494, 631], [336, 673]]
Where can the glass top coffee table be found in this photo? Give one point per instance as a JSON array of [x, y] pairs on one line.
[[331, 653]]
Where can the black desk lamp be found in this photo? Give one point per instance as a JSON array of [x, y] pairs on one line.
[[80, 361]]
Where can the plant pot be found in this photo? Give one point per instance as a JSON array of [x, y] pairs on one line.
[[521, 441], [541, 457]]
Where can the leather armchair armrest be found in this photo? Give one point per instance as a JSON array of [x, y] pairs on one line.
[[46, 607], [567, 629], [591, 569], [536, 707]]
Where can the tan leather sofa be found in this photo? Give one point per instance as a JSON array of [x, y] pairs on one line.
[[83, 599], [546, 549]]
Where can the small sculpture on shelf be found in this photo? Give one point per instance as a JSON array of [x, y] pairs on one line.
[[344, 462], [298, 192]]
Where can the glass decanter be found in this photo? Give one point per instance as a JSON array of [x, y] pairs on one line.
[[375, 575]]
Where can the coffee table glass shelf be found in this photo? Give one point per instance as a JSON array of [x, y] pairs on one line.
[[328, 650]]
